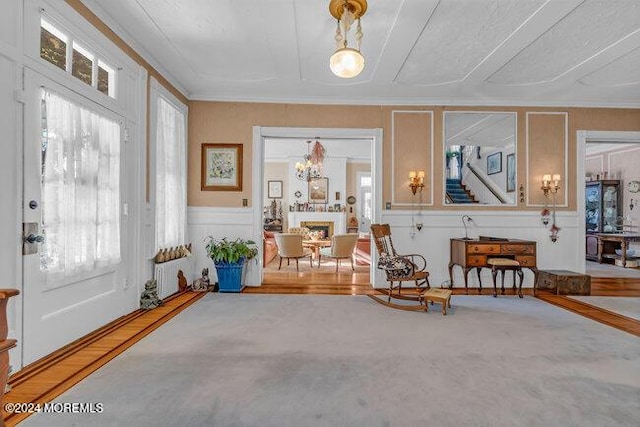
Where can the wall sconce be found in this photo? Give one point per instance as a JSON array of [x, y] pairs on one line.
[[550, 186], [416, 181]]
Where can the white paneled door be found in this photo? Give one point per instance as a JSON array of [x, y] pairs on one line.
[[73, 269]]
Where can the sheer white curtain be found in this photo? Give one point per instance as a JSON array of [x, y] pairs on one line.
[[170, 174], [80, 188]]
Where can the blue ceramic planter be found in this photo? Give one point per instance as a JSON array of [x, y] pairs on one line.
[[230, 276]]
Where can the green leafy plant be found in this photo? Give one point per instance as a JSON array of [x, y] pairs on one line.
[[230, 251]]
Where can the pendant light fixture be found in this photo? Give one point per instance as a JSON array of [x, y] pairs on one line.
[[347, 62]]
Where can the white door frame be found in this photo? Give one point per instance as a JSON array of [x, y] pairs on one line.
[[583, 137], [260, 133]]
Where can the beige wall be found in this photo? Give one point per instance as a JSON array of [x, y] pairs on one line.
[[233, 121]]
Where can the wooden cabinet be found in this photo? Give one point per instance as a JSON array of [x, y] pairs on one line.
[[602, 206]]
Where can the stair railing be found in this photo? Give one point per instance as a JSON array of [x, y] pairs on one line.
[[485, 184]]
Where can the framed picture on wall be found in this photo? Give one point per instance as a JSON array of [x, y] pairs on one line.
[[221, 168], [494, 163], [274, 189], [511, 172], [319, 190]]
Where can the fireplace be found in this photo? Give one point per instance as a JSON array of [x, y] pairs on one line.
[[324, 226]]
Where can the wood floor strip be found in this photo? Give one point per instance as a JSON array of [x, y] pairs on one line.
[[46, 379], [606, 317]]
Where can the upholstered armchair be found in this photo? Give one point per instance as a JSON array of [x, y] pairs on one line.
[[290, 246], [342, 247]]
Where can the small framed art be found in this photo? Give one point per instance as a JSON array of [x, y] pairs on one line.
[[221, 168], [274, 189], [319, 190], [494, 163]]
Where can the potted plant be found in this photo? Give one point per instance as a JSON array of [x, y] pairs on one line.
[[229, 258]]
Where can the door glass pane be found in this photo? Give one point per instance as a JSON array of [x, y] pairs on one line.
[[103, 80], [53, 48], [80, 188], [82, 66]]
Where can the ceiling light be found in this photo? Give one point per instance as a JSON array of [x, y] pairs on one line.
[[347, 62]]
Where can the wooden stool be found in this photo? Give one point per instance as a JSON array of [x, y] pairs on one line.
[[442, 296], [502, 265]]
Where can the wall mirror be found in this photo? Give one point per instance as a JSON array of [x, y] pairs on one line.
[[480, 158]]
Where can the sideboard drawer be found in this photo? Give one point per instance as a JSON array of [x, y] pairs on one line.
[[483, 249], [526, 261], [476, 261], [518, 249]]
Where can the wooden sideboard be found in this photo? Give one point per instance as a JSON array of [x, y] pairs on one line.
[[474, 253]]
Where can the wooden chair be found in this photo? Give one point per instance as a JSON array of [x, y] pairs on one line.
[[290, 246], [342, 247], [398, 269]]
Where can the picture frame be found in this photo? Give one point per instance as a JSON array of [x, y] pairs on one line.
[[221, 168], [274, 189], [494, 163], [319, 190], [511, 172]]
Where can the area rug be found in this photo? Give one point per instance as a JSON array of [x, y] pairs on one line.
[[627, 306], [312, 360]]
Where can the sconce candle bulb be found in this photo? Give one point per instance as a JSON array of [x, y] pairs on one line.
[[416, 180]]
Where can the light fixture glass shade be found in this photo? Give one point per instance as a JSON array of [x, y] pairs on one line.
[[346, 62]]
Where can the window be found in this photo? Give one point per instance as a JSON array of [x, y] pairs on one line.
[[56, 47], [170, 171], [80, 187], [53, 45], [82, 64]]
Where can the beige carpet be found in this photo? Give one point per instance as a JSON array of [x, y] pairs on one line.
[[271, 360]]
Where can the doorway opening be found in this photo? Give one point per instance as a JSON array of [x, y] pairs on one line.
[[288, 202], [607, 204]]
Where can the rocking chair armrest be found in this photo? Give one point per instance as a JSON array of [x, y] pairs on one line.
[[418, 260]]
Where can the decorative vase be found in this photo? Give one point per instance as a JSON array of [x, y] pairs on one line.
[[230, 276]]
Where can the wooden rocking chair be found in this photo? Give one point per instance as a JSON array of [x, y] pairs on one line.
[[398, 269]]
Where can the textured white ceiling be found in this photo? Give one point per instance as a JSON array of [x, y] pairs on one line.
[[509, 52]]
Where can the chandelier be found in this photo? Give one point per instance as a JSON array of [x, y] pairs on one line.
[[347, 62], [312, 166]]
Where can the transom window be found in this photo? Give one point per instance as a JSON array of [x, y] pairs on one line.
[[72, 56]]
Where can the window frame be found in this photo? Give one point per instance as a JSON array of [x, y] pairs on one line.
[[83, 47], [157, 91]]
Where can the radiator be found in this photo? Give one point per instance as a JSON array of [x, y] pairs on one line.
[[166, 275]]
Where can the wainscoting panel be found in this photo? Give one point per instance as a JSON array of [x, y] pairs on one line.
[[411, 149], [547, 153], [218, 223], [432, 241]]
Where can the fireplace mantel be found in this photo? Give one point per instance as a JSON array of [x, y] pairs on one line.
[[338, 219]]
